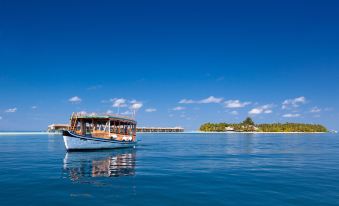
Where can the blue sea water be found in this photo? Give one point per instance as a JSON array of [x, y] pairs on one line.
[[173, 169]]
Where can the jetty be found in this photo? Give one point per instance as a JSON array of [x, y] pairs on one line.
[[160, 129], [58, 128]]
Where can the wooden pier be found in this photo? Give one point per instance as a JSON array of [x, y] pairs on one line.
[[55, 128], [59, 127], [160, 129]]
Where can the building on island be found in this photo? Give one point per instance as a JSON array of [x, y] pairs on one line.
[[229, 129], [57, 128]]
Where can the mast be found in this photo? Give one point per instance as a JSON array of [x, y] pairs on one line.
[[109, 127]]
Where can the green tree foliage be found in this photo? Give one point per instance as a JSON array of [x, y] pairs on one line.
[[210, 127], [248, 126], [248, 121], [292, 127]]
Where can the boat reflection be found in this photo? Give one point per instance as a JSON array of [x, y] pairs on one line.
[[117, 163]]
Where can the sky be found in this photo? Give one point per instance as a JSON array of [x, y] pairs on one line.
[[175, 63]]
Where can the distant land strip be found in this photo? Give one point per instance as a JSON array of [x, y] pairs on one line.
[[248, 125]]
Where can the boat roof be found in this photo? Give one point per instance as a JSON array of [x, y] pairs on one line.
[[104, 117]]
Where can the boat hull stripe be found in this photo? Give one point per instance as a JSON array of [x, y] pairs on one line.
[[70, 134]]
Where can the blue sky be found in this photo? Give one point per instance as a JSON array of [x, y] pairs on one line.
[[179, 63]]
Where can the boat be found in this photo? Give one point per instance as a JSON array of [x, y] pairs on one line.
[[94, 131]]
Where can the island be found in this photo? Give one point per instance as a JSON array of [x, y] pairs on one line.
[[248, 125]]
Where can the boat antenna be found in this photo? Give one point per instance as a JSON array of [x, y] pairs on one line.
[[134, 113]]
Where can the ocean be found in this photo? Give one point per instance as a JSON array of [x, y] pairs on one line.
[[173, 169]]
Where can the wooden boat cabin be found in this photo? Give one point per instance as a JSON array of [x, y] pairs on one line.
[[113, 127]]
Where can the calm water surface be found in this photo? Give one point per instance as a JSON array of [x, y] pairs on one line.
[[173, 169]]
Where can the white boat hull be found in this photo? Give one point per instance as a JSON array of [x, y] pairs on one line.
[[75, 142]]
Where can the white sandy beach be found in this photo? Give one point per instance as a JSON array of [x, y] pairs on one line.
[[23, 133]]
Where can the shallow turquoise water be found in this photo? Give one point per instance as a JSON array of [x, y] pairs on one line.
[[174, 169]]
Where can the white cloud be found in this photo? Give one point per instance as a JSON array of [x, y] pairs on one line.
[[82, 112], [265, 109], [211, 99], [0, 118], [133, 105], [34, 107], [256, 111], [75, 100], [11, 110], [178, 108], [109, 111], [268, 111], [136, 105], [293, 103], [291, 115], [120, 102], [234, 113], [187, 101], [104, 101], [236, 104], [151, 110], [127, 113], [315, 110], [208, 100]]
